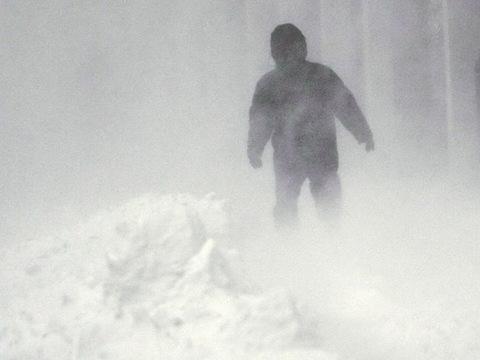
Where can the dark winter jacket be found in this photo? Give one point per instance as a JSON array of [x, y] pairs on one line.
[[297, 111]]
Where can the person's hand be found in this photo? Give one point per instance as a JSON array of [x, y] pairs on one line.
[[369, 145], [255, 161]]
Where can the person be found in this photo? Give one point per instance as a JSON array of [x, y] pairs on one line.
[[295, 106]]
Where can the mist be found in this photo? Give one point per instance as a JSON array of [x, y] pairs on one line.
[[102, 102]]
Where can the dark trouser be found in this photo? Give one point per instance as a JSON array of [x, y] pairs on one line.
[[324, 186]]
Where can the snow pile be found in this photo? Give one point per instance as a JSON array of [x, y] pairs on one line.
[[144, 281]]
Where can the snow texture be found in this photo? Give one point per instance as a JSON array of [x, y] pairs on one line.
[[151, 280], [144, 281]]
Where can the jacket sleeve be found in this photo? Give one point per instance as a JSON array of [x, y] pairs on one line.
[[348, 112], [260, 119]]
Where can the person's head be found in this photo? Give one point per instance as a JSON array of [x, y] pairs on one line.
[[288, 46]]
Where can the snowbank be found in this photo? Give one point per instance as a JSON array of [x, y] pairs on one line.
[[144, 281], [151, 280]]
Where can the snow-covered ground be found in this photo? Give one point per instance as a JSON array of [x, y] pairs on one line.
[[144, 281], [155, 279], [400, 280]]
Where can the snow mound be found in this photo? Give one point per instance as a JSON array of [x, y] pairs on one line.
[[147, 280]]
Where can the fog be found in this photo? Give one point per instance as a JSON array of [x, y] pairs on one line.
[[101, 102]]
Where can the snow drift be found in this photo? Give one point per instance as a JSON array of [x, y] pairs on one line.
[[153, 279], [145, 281]]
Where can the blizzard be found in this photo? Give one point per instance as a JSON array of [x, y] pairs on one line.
[[132, 226]]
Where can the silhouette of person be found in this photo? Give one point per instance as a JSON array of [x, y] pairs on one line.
[[295, 106]]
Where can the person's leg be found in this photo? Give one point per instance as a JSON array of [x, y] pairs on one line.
[[326, 190], [288, 184]]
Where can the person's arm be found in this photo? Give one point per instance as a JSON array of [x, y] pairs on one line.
[[261, 123], [349, 114]]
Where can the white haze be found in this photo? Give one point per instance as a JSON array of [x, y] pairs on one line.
[[101, 102]]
